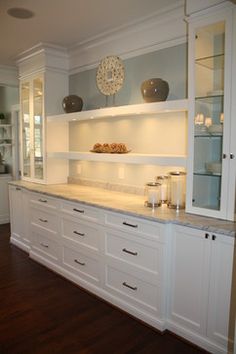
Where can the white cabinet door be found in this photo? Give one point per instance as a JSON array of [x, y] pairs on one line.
[[210, 166], [200, 294], [220, 290], [17, 222], [19, 214], [189, 277], [4, 200]]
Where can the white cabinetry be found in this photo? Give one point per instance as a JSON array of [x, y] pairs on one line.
[[135, 265], [19, 215], [211, 161], [200, 291], [42, 88], [45, 229]]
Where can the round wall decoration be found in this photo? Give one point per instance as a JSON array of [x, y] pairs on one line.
[[110, 75]]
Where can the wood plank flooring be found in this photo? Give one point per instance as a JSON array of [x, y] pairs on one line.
[[40, 313]]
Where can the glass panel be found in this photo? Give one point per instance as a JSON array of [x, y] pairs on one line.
[[38, 127], [209, 115], [25, 96]]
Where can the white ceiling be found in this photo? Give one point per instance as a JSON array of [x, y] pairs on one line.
[[68, 22]]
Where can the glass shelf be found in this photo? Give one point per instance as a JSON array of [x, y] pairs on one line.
[[208, 136], [212, 99], [208, 174], [213, 62]]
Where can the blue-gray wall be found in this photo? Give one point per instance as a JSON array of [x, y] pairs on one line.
[[170, 64]]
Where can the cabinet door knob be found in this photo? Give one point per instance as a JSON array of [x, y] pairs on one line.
[[207, 235], [224, 156], [231, 156], [213, 237]]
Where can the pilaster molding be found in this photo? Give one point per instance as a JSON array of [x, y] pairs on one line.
[[161, 30]]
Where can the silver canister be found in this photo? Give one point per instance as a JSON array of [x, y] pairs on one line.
[[176, 190], [163, 180], [152, 192]]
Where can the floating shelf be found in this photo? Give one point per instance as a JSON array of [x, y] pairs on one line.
[[132, 158], [128, 110], [5, 125]]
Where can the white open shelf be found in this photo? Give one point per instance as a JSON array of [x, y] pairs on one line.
[[128, 110], [132, 158]]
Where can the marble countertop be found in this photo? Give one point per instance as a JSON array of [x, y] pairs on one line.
[[129, 204]]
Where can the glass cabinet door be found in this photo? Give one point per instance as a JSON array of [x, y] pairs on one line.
[[26, 144], [38, 127], [209, 115]]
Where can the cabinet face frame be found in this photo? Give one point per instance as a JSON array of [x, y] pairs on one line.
[[30, 81], [194, 24]]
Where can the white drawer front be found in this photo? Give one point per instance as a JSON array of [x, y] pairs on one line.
[[135, 225], [134, 289], [44, 219], [44, 201], [133, 252], [81, 233], [46, 246], [81, 211], [83, 265]]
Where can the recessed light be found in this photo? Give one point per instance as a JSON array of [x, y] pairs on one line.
[[19, 12]]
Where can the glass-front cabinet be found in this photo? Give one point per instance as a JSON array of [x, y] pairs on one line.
[[210, 38], [32, 128]]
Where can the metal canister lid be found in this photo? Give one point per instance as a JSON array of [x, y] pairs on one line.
[[177, 173], [153, 184]]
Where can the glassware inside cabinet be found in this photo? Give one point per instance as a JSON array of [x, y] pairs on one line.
[[209, 115], [38, 127], [26, 147]]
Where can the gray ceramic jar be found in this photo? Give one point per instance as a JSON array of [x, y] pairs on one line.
[[155, 90]]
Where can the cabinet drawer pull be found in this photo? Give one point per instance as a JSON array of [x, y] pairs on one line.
[[78, 210], [78, 262], [44, 245], [43, 220], [213, 237], [42, 200], [127, 224], [18, 189], [206, 235], [129, 286], [78, 233], [130, 252]]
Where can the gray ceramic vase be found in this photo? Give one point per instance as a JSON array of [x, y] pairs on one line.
[[155, 90], [72, 103]]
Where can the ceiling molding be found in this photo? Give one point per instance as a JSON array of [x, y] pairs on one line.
[[162, 29]]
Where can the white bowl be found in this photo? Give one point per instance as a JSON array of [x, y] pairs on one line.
[[213, 167]]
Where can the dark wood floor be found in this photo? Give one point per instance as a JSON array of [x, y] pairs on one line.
[[40, 312]]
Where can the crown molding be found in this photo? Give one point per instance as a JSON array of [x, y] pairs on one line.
[[8, 76], [41, 57], [163, 29]]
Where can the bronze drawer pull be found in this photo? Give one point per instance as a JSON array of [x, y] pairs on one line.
[[44, 245], [130, 252], [129, 286], [78, 262], [18, 189], [127, 224], [78, 210], [42, 200], [78, 233], [43, 220]]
